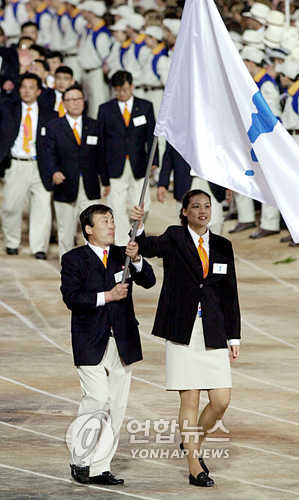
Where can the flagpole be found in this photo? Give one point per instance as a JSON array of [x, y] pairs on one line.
[[144, 187]]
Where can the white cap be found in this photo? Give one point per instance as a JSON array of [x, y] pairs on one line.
[[273, 36], [253, 38], [172, 25], [122, 11], [278, 53], [135, 21], [276, 18], [97, 8], [290, 68], [289, 44], [120, 25], [155, 32], [259, 12], [252, 54]]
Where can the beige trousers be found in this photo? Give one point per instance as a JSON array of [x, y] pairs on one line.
[[124, 194], [95, 90], [67, 215], [105, 387], [22, 182]]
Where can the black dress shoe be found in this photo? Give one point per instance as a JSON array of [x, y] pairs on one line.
[[12, 251], [40, 256], [106, 478], [242, 226], [286, 239], [262, 233], [200, 459], [80, 474], [201, 480]]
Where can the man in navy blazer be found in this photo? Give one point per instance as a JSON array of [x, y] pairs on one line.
[[22, 149], [105, 335], [126, 126], [74, 163]]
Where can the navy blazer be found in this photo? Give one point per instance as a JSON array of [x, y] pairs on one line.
[[82, 276], [12, 116], [134, 140], [184, 287], [73, 160], [182, 180]]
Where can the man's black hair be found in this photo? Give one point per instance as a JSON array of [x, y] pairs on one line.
[[120, 78], [55, 53], [73, 87], [31, 76], [86, 217], [43, 63], [66, 70]]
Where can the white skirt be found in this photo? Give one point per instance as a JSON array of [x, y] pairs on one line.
[[196, 366]]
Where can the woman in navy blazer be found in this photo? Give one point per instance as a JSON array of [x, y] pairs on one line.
[[198, 315]]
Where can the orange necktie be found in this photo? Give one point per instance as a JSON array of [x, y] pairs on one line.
[[27, 125], [61, 110], [203, 257], [126, 116], [105, 258], [76, 134]]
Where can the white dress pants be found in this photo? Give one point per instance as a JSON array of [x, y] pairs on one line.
[[67, 215], [22, 182], [105, 387], [95, 90], [270, 219], [217, 219], [125, 194], [245, 208]]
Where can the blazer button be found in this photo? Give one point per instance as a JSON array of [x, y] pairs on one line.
[[201, 285]]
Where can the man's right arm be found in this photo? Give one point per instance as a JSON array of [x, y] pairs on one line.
[[74, 294]]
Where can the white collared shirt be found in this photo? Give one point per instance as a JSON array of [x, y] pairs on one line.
[[129, 104], [17, 149], [58, 99], [100, 253], [206, 246], [78, 122]]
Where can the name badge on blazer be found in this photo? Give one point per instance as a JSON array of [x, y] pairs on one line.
[[43, 131], [139, 120], [92, 140], [119, 276], [220, 268]]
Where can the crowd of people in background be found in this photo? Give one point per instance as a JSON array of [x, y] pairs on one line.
[[80, 88]]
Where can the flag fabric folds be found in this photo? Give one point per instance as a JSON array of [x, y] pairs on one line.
[[214, 115]]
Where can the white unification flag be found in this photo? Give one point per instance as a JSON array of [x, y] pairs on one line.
[[213, 114]]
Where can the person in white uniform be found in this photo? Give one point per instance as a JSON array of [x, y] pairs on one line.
[[289, 77], [73, 30], [198, 314], [94, 49]]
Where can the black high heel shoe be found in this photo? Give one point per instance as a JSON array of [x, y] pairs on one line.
[[200, 459], [202, 479]]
